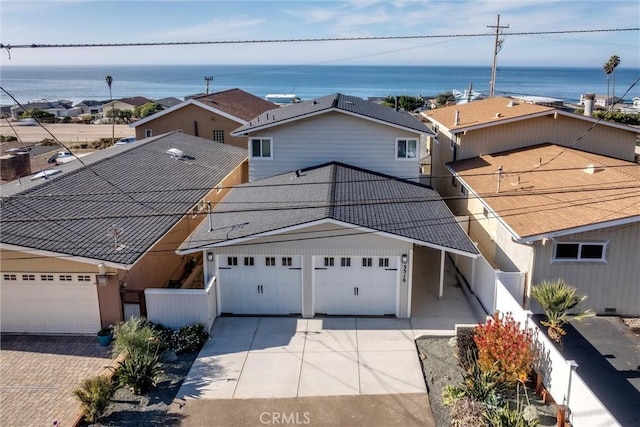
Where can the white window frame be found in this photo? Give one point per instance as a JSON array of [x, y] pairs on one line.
[[579, 258], [345, 261], [270, 261], [329, 261], [367, 262], [148, 133], [287, 261], [406, 141], [218, 132], [262, 140]]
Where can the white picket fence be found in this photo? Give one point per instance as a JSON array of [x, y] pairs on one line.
[[175, 308]]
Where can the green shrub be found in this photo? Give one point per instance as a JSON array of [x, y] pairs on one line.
[[189, 338], [139, 371], [94, 395], [134, 335], [477, 384], [7, 138], [506, 416], [505, 348]]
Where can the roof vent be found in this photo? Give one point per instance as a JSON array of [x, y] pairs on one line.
[[512, 104], [591, 169], [175, 153], [498, 115], [456, 118]]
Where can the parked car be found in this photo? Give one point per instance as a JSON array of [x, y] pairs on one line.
[[125, 141]]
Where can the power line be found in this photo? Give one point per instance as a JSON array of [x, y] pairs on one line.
[[8, 47]]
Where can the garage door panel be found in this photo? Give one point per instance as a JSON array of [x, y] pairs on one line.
[[261, 286], [49, 308], [357, 286]]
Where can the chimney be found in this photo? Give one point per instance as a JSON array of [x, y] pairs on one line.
[[456, 118], [588, 104]]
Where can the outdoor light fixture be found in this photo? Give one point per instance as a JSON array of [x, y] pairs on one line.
[[102, 275], [404, 258], [209, 256]]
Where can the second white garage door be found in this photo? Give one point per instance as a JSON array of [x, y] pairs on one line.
[[355, 285], [260, 284]]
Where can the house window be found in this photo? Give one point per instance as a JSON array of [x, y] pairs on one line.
[[485, 212], [345, 262], [328, 261], [579, 251], [454, 181], [406, 148], [84, 278], [248, 261], [232, 260], [286, 261], [46, 277], [383, 262], [463, 190], [261, 148], [367, 262], [10, 277], [218, 136], [65, 278], [148, 133], [29, 277], [270, 261]]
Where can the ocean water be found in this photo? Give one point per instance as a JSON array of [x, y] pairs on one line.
[[76, 83]]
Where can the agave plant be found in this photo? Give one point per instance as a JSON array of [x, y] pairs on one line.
[[557, 299]]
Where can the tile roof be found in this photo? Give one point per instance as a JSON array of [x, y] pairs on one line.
[[168, 102], [545, 188], [136, 101], [485, 111], [237, 102], [334, 102], [339, 192], [140, 190]]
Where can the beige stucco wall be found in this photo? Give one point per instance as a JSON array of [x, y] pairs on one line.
[[185, 118]]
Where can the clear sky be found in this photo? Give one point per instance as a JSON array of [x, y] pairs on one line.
[[125, 21]]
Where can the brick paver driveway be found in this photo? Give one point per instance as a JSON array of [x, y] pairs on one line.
[[38, 374]]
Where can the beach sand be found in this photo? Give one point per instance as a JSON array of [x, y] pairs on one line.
[[65, 132]]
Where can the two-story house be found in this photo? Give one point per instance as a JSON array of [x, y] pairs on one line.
[[213, 117], [331, 217], [78, 248]]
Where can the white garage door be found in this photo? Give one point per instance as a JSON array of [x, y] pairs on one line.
[[260, 284], [355, 285], [49, 303]]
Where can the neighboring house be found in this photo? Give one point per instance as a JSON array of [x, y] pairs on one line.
[[211, 117], [553, 212], [125, 104], [89, 107], [335, 127], [78, 249], [168, 102], [330, 239], [55, 107], [500, 124]]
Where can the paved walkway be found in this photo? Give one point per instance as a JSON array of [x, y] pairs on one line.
[[608, 357], [38, 374]]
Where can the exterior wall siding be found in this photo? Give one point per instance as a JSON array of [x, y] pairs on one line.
[[324, 239], [185, 118], [562, 130], [614, 284], [334, 137]]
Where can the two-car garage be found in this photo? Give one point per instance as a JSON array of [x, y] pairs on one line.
[[341, 285]]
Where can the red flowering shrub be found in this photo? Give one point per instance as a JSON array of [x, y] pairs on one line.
[[504, 348]]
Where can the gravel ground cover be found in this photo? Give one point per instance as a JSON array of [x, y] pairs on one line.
[[440, 368], [130, 410]]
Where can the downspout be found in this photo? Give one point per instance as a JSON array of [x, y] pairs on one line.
[[209, 215]]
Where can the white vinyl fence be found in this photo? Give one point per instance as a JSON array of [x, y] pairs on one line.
[[175, 308], [560, 376]]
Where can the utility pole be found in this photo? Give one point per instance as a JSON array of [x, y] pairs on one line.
[[207, 80], [496, 48]]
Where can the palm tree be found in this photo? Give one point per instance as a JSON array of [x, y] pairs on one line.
[[109, 80], [607, 70], [614, 61], [557, 298]]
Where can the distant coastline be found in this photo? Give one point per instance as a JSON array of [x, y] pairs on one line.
[[78, 83]]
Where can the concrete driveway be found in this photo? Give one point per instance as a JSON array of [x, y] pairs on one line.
[[269, 357]]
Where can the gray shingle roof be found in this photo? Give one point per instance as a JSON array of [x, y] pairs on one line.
[[141, 191], [334, 102], [333, 191]]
